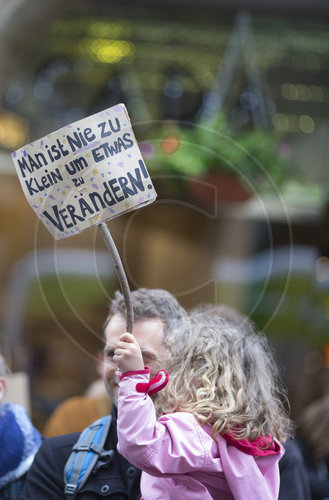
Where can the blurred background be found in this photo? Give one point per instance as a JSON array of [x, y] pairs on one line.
[[229, 102]]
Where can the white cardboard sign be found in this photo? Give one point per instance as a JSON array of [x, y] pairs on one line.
[[85, 173]]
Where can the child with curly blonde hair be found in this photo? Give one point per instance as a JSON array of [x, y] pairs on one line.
[[222, 414]]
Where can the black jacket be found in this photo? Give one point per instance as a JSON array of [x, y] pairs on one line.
[[317, 471], [45, 480], [294, 481]]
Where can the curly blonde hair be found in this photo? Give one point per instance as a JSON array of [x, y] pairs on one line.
[[225, 375]]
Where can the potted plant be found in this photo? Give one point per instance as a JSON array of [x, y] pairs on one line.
[[202, 160]]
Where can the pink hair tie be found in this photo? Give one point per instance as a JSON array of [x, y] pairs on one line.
[[158, 382]]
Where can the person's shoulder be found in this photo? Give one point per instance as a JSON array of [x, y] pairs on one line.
[[59, 444], [178, 416], [292, 448], [181, 421], [63, 439], [292, 455]]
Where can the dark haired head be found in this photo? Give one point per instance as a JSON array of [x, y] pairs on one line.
[[148, 303]]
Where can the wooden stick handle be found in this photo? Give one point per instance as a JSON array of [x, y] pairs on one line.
[[120, 273]]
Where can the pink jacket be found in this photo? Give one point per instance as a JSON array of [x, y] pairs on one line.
[[180, 459]]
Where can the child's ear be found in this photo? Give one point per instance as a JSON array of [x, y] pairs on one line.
[[3, 385]]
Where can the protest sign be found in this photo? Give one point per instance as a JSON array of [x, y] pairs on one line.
[[85, 173]]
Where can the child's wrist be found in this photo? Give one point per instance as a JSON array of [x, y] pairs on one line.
[[143, 371]]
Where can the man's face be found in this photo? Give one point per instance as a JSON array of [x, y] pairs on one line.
[[148, 333]]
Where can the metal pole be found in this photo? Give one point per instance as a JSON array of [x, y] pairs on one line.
[[120, 273]]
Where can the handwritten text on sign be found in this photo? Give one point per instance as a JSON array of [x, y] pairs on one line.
[[85, 173]]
